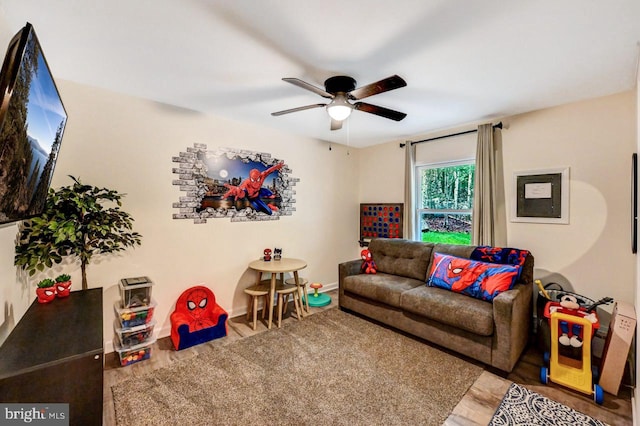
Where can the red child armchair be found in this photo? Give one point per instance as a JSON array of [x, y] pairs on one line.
[[197, 318]]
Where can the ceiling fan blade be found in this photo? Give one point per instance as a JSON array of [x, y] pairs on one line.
[[310, 87], [336, 125], [381, 111], [389, 83], [302, 108]]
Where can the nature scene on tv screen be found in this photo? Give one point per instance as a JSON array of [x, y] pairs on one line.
[[29, 138]]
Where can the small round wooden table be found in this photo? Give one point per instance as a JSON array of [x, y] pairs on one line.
[[275, 267]]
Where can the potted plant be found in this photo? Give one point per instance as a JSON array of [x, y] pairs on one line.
[[75, 223], [63, 285], [46, 291]]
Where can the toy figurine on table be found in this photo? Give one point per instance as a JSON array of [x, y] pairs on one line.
[[368, 264], [277, 253], [266, 255]]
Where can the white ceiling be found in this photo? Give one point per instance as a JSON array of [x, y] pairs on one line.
[[464, 61]]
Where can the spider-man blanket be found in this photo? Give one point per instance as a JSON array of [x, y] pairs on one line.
[[503, 256]]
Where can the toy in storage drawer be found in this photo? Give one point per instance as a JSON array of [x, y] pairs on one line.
[[133, 317], [133, 336], [135, 292], [134, 354]]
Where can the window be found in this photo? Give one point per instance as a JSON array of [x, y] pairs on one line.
[[445, 202]]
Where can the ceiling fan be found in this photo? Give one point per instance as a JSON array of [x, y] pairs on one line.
[[342, 89]]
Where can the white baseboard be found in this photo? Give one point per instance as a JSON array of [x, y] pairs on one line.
[[166, 331]]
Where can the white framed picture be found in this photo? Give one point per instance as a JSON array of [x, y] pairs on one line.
[[541, 196]]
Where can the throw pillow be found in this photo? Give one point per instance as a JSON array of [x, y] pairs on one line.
[[477, 279]]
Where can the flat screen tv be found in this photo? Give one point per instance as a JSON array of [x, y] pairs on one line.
[[32, 121]]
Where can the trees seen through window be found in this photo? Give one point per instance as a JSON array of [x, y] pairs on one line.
[[445, 202]]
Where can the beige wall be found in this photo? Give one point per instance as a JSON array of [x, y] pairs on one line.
[[127, 144], [381, 178], [595, 139]]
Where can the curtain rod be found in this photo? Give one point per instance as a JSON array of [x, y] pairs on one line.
[[498, 126]]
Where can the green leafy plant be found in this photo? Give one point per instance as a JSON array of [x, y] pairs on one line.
[[47, 282], [75, 223], [63, 278]]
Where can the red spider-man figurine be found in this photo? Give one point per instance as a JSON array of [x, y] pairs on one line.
[[368, 264]]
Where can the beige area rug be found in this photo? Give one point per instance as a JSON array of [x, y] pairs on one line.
[[333, 368]]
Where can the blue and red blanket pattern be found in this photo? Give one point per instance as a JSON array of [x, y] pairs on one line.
[[503, 256]]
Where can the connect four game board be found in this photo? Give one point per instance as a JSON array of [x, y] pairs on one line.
[[384, 220]]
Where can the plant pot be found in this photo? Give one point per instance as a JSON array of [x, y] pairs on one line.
[[63, 289], [46, 294]]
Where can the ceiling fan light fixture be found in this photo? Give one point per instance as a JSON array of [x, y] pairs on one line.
[[339, 109], [340, 90]]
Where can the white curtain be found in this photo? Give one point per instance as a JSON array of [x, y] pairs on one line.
[[486, 184], [409, 191]]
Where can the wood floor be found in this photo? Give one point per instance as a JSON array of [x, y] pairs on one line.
[[476, 407], [483, 398]]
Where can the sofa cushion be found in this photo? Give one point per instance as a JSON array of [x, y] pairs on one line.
[[381, 287], [450, 308], [481, 280], [401, 257]]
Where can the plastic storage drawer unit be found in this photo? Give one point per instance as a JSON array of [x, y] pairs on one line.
[[133, 335], [134, 354], [135, 292], [132, 317]]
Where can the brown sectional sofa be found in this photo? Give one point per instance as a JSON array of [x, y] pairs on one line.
[[494, 333]]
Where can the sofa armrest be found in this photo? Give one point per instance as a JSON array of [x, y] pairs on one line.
[[345, 269], [512, 317], [352, 267]]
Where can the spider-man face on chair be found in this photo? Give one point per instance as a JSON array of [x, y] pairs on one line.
[[197, 305]]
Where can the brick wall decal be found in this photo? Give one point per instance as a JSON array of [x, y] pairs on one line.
[[205, 177]]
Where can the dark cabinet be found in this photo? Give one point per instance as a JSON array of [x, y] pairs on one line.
[[55, 354]]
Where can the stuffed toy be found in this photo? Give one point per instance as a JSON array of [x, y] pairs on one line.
[[368, 265], [571, 333]]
